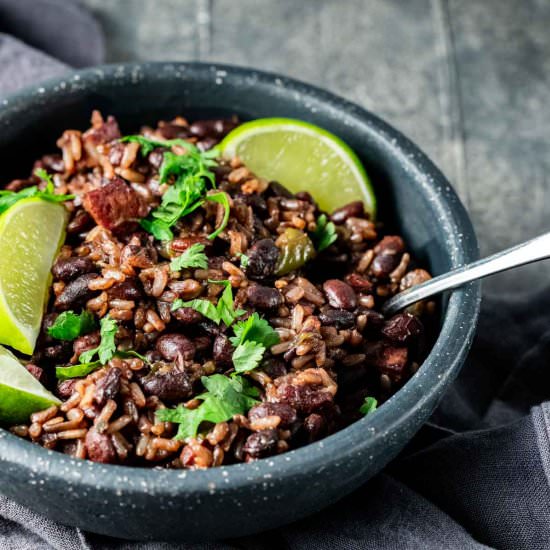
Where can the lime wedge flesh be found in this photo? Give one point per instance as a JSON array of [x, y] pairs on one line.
[[21, 393], [302, 157], [31, 232]]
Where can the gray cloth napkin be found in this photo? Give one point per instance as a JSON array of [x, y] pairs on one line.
[[476, 477]]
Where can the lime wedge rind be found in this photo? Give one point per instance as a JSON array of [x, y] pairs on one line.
[[337, 192], [21, 393]]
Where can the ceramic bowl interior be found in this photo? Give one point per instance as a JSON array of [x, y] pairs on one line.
[[414, 199]]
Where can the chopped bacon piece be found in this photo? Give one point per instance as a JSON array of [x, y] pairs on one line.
[[114, 204]]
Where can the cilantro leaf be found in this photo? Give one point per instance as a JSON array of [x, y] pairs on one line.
[[189, 175], [9, 198], [83, 369], [251, 339], [225, 308], [194, 256], [247, 356], [225, 397], [131, 353], [244, 260], [107, 346], [223, 311], [205, 307], [76, 371], [158, 228], [368, 406], [70, 325], [254, 329], [325, 233], [44, 176], [222, 199]]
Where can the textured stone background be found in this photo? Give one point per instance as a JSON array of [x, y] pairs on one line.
[[467, 80]]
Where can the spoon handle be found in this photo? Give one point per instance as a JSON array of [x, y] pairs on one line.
[[530, 251]]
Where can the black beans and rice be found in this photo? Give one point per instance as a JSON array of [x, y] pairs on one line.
[[203, 339]]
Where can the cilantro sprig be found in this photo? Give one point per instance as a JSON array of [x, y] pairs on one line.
[[225, 397], [190, 176], [76, 371], [370, 404], [252, 337], [325, 233], [9, 198], [223, 311], [107, 346], [105, 351], [193, 256], [69, 325]]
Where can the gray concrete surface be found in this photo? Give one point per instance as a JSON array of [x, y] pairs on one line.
[[468, 80]]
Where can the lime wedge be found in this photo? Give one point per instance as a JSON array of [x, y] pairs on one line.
[[21, 393], [31, 232], [302, 157]]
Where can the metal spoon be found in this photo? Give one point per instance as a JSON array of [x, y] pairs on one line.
[[530, 251]]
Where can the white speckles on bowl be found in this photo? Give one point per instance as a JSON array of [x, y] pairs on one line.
[[235, 500]]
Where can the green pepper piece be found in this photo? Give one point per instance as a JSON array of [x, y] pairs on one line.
[[296, 249]]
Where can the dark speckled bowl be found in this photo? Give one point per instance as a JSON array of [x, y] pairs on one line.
[[245, 498]]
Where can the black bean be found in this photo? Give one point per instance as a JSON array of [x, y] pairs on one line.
[[130, 289], [284, 411], [107, 387], [305, 196], [66, 388], [274, 366], [338, 317], [262, 443], [213, 128], [76, 292], [340, 295], [86, 342], [174, 345], [264, 297], [262, 259], [81, 222], [278, 190], [391, 245], [375, 321], [202, 343], [315, 427], [207, 143], [100, 447], [384, 264], [354, 209], [67, 269], [222, 351], [257, 202], [187, 316], [170, 383], [402, 328], [173, 131]]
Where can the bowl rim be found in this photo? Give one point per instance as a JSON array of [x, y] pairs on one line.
[[453, 341]]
